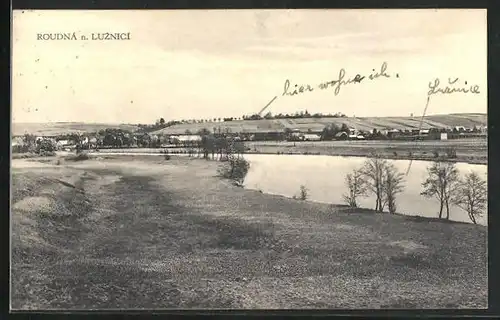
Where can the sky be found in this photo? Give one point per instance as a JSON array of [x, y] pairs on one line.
[[199, 64]]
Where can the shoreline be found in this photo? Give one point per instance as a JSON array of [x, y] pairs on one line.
[[125, 152], [388, 157], [476, 160], [216, 163]]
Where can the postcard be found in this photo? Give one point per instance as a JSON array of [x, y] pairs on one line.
[[249, 159]]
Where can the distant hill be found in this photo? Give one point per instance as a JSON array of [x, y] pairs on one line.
[[59, 128], [317, 124], [304, 124]]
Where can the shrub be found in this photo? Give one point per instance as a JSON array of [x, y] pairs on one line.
[[451, 153], [45, 146], [356, 185], [167, 157], [79, 157], [45, 153], [303, 192], [435, 153], [235, 169]]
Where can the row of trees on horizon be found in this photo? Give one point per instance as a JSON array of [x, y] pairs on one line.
[[162, 123]]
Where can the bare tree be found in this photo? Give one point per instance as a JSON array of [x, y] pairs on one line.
[[442, 183], [373, 170], [357, 187], [392, 185], [472, 196]]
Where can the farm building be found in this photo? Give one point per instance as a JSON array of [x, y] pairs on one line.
[[17, 141], [341, 136], [185, 138], [311, 137]]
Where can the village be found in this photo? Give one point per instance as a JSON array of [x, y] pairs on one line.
[[172, 137]]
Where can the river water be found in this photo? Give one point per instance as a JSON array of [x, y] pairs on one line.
[[324, 177]]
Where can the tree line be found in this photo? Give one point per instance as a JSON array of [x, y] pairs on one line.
[[379, 177], [161, 123]]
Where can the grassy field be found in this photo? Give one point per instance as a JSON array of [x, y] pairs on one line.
[[467, 150], [473, 151], [143, 232], [61, 128], [317, 124]]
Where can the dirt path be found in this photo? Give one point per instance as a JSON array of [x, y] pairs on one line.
[[150, 234]]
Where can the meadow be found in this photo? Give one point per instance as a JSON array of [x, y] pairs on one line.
[[145, 232]]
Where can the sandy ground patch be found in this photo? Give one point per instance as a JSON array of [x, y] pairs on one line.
[[31, 204]]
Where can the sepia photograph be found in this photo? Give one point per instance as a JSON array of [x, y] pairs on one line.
[[249, 159]]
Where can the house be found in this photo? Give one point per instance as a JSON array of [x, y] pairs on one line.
[[341, 136], [393, 133], [185, 139], [385, 132], [63, 143], [17, 141], [353, 133], [311, 137]]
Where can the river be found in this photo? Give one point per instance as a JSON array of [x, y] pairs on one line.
[[324, 177]]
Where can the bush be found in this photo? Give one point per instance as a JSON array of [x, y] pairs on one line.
[[46, 147], [303, 192], [45, 153], [235, 169], [451, 153], [79, 157], [435, 153], [167, 157]]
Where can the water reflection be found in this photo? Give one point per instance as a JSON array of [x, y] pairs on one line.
[[324, 178]]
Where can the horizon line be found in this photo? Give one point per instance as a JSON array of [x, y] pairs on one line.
[[130, 123]]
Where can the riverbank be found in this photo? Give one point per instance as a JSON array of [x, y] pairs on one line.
[[144, 232], [474, 151]]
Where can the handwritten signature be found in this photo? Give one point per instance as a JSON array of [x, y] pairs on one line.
[[337, 83], [435, 89]]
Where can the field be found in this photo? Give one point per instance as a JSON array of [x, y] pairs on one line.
[[317, 124], [61, 128], [474, 151], [467, 150], [143, 232]]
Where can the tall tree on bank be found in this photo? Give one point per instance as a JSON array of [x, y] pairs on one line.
[[442, 183], [392, 185], [374, 170], [472, 196]]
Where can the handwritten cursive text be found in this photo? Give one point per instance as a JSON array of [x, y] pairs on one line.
[[451, 87], [337, 84]]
